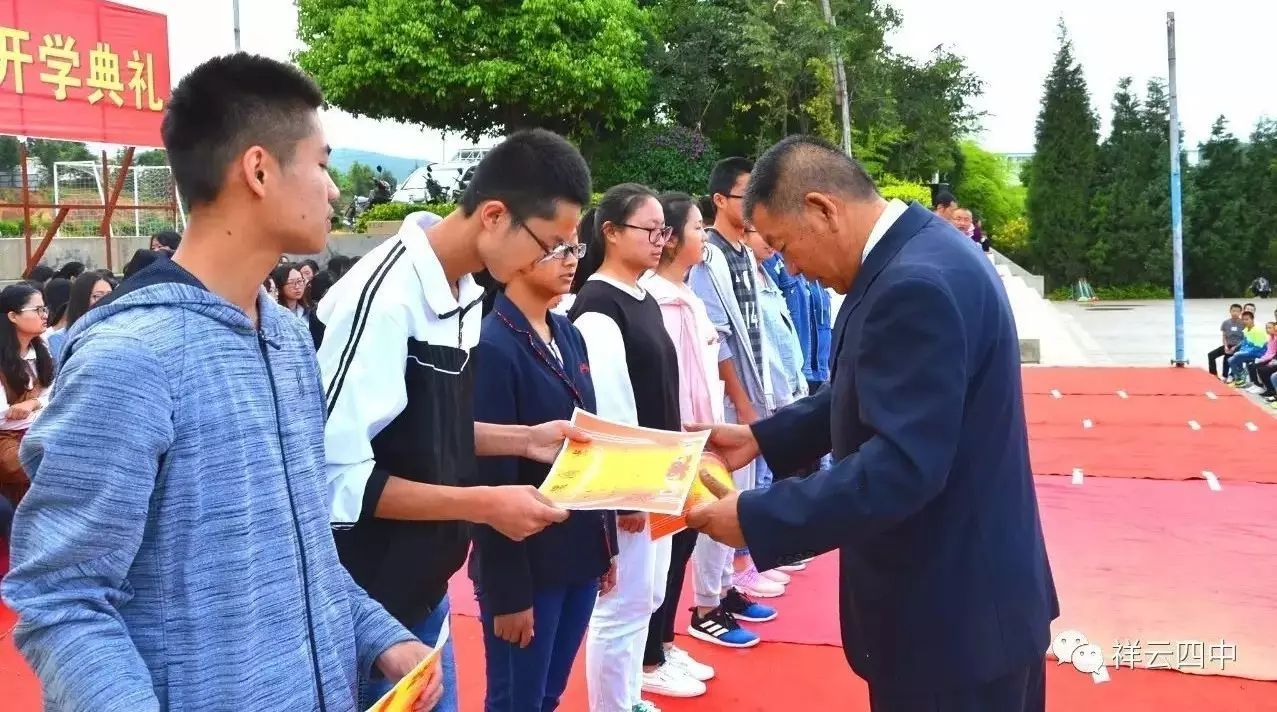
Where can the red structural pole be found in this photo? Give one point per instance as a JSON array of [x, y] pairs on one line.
[[114, 196]]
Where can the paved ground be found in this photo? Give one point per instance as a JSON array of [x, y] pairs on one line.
[[1136, 333]]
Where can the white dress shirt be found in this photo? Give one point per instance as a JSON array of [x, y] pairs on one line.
[[895, 209]]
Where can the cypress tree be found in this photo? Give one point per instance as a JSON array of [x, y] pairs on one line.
[[1261, 194], [1131, 230], [1217, 244], [1063, 170]]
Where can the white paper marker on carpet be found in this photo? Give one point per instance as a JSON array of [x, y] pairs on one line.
[[1252, 427], [1211, 480], [1121, 394], [1211, 395], [1194, 425], [1077, 475], [1055, 393], [1087, 423]]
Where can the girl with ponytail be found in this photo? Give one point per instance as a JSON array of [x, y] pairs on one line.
[[635, 371]]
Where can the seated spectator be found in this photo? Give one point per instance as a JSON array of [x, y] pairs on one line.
[[340, 265], [57, 293], [140, 261], [40, 274], [1264, 367], [165, 240], [87, 290], [26, 371], [315, 292], [70, 270], [308, 268], [1231, 336], [1254, 345], [1261, 287]]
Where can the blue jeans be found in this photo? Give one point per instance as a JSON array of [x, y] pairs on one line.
[[532, 679], [428, 632]]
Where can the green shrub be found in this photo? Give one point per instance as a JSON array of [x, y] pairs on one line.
[[399, 211], [10, 228], [666, 158], [891, 187], [1013, 241], [1116, 293], [1132, 292]]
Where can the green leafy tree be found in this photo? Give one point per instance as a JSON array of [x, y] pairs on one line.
[[480, 66], [1130, 217], [1063, 170], [984, 186], [151, 158], [10, 154], [47, 152], [359, 179], [665, 157], [1217, 241], [764, 71], [1261, 186], [933, 104]]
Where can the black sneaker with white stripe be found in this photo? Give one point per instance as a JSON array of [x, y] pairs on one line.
[[720, 628]]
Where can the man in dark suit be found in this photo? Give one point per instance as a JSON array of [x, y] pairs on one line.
[[946, 593]]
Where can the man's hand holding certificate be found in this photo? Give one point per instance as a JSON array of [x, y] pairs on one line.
[[625, 467]]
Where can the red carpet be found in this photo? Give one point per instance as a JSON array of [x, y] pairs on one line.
[[1154, 452], [1135, 381], [1229, 414], [815, 678], [805, 607], [1153, 560], [1164, 562]]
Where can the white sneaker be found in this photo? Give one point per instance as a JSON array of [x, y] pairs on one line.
[[778, 576], [752, 583], [645, 706], [791, 568], [679, 658], [670, 681]]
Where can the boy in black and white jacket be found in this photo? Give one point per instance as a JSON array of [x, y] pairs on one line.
[[399, 333]]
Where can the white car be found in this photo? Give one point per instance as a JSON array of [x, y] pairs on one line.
[[449, 174]]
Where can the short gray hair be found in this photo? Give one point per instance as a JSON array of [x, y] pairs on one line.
[[799, 165]]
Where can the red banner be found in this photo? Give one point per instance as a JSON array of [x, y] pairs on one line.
[[83, 70]]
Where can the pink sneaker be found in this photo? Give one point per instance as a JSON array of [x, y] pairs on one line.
[[778, 576], [752, 583]]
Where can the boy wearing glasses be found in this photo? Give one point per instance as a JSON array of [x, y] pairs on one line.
[[401, 436]]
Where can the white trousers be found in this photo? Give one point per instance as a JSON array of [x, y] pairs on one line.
[[618, 629]]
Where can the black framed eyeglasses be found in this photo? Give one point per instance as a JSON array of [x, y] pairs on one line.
[[563, 249], [560, 251], [655, 235]]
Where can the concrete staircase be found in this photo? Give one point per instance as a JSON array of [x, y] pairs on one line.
[[1029, 309]]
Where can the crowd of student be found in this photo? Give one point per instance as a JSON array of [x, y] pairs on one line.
[[1248, 353], [201, 532]]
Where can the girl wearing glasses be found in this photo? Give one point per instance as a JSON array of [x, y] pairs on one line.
[[290, 289], [26, 371], [700, 401], [635, 373], [536, 595]]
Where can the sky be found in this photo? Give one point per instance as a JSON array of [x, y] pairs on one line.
[[1224, 58]]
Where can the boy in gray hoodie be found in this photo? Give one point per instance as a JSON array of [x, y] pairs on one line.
[[174, 549]]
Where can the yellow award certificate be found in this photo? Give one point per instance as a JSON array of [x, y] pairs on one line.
[[625, 467]]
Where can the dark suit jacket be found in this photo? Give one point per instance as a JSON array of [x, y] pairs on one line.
[[518, 381], [944, 576]]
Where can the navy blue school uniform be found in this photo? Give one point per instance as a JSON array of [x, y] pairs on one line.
[[521, 380]]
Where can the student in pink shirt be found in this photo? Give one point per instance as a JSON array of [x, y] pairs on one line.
[[701, 393]]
